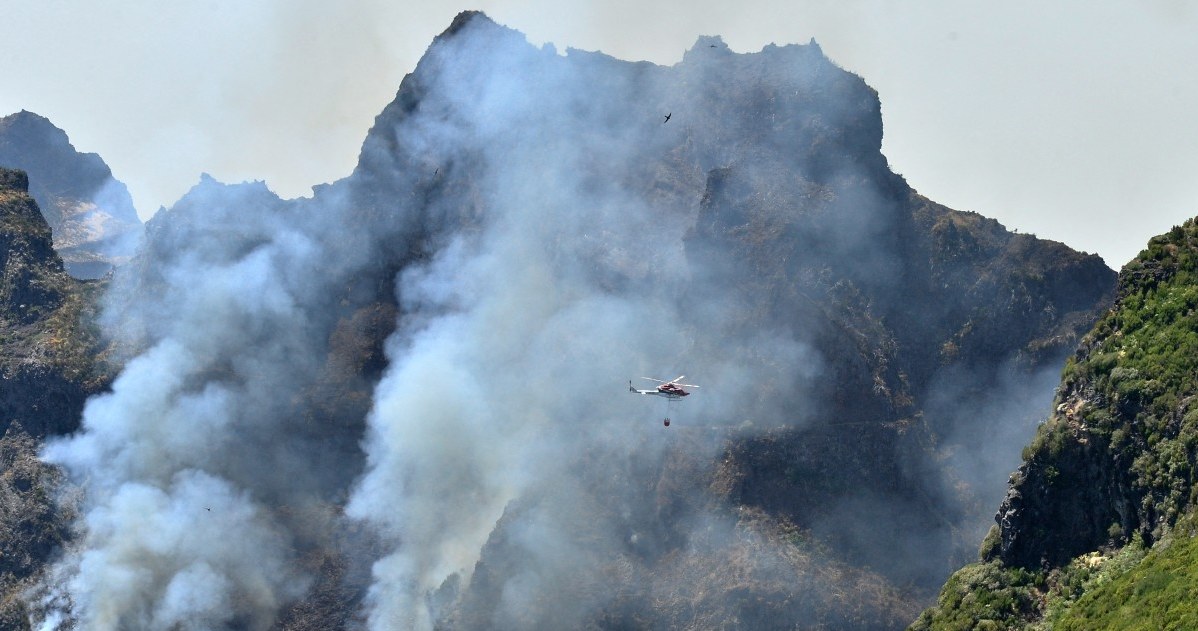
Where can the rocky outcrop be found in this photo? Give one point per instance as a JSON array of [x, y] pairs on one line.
[[1110, 474], [89, 211], [32, 283], [1112, 460], [1061, 506], [47, 361], [48, 367]]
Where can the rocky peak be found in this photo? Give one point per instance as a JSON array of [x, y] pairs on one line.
[[788, 105], [27, 256], [90, 213], [466, 17]]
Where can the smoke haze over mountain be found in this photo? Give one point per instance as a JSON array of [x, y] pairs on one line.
[[283, 90], [532, 234], [90, 213]]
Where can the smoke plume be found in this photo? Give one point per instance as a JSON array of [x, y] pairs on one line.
[[545, 234]]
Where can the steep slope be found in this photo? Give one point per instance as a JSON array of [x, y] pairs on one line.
[[49, 366], [407, 393], [1095, 530], [34, 521], [90, 213], [48, 359]]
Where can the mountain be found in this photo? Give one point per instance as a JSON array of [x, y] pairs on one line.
[[408, 394], [1096, 529], [89, 211], [863, 406]]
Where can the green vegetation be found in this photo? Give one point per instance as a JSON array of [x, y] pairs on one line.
[[1153, 591], [1128, 403], [1066, 584], [1141, 367], [990, 595], [985, 596]]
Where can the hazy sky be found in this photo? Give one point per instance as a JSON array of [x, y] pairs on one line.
[[1075, 120]]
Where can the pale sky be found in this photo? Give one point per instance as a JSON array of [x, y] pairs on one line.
[[1075, 120]]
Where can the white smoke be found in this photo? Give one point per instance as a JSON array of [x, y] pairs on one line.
[[544, 264], [518, 337], [183, 462], [192, 554], [505, 335]]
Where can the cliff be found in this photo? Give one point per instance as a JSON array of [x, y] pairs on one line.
[[1105, 497], [49, 365], [47, 360]]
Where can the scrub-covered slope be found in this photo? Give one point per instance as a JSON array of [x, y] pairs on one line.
[[1096, 529]]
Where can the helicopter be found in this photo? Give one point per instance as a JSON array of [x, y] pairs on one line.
[[671, 390]]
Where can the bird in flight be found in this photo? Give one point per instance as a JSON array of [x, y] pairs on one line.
[[667, 117]]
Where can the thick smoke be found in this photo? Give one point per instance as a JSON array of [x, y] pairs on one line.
[[520, 334], [186, 461], [545, 236], [549, 285]]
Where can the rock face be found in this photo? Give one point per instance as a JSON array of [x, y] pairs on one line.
[[1113, 460], [45, 361], [922, 321], [33, 525], [1110, 473], [89, 212], [49, 365], [523, 228]]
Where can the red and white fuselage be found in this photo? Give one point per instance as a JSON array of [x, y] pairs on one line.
[[669, 389]]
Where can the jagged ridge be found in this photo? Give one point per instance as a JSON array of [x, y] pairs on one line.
[[90, 212]]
